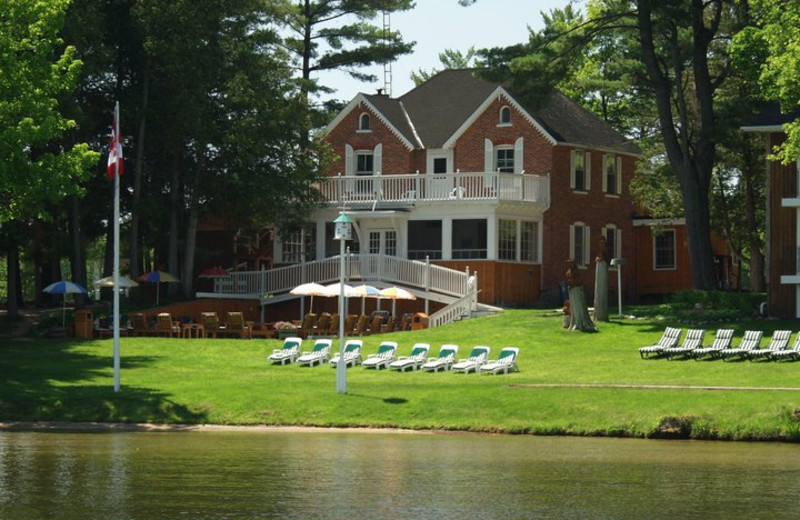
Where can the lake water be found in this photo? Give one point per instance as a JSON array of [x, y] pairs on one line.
[[279, 474]]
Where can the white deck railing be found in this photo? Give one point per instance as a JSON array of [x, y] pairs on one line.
[[358, 267], [428, 187]]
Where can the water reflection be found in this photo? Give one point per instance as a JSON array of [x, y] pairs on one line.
[[398, 476]]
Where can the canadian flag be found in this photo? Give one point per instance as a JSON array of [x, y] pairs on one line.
[[115, 163]]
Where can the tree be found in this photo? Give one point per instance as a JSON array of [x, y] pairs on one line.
[[338, 35], [39, 164], [450, 59]]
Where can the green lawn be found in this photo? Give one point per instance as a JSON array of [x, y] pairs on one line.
[[229, 382]]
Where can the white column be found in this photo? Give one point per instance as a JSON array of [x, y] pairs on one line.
[[491, 237], [447, 238]]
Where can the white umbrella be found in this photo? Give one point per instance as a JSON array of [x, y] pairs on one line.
[[334, 289], [396, 293], [124, 282], [310, 289], [64, 287], [365, 291]]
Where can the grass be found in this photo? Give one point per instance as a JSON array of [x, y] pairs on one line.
[[229, 382]]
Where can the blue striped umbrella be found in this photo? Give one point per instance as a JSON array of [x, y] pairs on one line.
[[64, 287]]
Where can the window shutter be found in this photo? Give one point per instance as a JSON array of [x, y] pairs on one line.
[[586, 244], [518, 155], [488, 156], [349, 166], [618, 243], [377, 159], [619, 175], [604, 175], [572, 170], [572, 243], [588, 168]]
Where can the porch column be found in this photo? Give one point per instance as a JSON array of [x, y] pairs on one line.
[[321, 240], [447, 238], [491, 238]]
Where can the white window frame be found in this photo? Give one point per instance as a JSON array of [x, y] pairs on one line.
[[505, 109], [533, 247], [581, 263], [513, 240], [587, 170], [617, 252], [505, 149], [364, 153], [616, 161], [361, 126], [674, 266]]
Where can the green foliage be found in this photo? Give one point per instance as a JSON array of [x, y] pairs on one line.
[[743, 303], [37, 168]]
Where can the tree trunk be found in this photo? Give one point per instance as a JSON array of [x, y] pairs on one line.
[[12, 289], [579, 317], [77, 259], [188, 260], [174, 231], [137, 177]]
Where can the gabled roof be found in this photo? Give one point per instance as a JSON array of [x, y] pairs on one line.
[[435, 113], [771, 119]]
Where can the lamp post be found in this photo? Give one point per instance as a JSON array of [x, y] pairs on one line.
[[618, 263], [343, 231]]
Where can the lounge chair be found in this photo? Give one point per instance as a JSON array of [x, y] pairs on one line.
[[722, 341], [167, 326], [324, 323], [387, 352], [139, 323], [668, 340], [308, 324], [691, 342], [750, 341], [477, 357], [352, 353], [419, 354], [289, 351], [505, 363], [333, 328], [792, 353], [237, 326], [361, 325], [446, 358], [210, 321], [779, 341], [321, 352]]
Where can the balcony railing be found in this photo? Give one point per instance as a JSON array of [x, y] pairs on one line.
[[423, 188]]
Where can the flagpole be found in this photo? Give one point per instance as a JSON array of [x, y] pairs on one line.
[[117, 138]]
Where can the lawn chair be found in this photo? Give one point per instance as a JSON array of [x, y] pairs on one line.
[[750, 341], [166, 326], [445, 360], [237, 326], [692, 341], [333, 326], [361, 326], [668, 340], [211, 326], [792, 353], [139, 324], [386, 354], [722, 341], [321, 352], [308, 325], [322, 326], [778, 342], [288, 353], [375, 324], [477, 357], [507, 362], [419, 354], [352, 354]]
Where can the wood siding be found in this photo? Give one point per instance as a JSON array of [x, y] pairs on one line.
[[781, 235], [502, 283]]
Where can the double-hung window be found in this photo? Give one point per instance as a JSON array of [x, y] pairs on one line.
[[579, 244], [612, 178], [664, 250], [580, 174], [505, 159]]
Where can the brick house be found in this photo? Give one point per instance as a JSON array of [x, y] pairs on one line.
[[460, 172]]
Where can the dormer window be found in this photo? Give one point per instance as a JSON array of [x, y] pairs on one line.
[[505, 117], [363, 123]]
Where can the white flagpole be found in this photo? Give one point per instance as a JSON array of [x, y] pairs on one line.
[[116, 250]]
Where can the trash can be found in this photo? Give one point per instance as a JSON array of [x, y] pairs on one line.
[[419, 321], [84, 324]]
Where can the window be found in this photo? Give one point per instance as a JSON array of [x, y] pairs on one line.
[[507, 240], [364, 163], [440, 165], [613, 242], [580, 176], [299, 246], [529, 241], [469, 239], [505, 116], [505, 159], [579, 244], [664, 250], [611, 175], [425, 239], [363, 123]]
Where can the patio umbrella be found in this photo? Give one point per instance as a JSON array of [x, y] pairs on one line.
[[333, 290], [64, 287], [365, 291], [158, 277], [396, 293], [124, 282], [309, 289]]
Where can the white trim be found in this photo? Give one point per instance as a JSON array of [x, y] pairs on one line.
[[498, 93], [598, 148], [356, 103], [652, 222], [762, 129]]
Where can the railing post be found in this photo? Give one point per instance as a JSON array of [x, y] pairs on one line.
[[474, 303], [427, 280]]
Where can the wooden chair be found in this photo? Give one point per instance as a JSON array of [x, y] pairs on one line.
[[237, 326], [166, 326], [262, 330], [323, 324], [361, 325], [211, 326], [349, 324], [139, 324], [333, 329], [375, 325], [308, 325], [389, 325]]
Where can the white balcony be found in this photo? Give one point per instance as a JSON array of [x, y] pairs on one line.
[[414, 189]]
